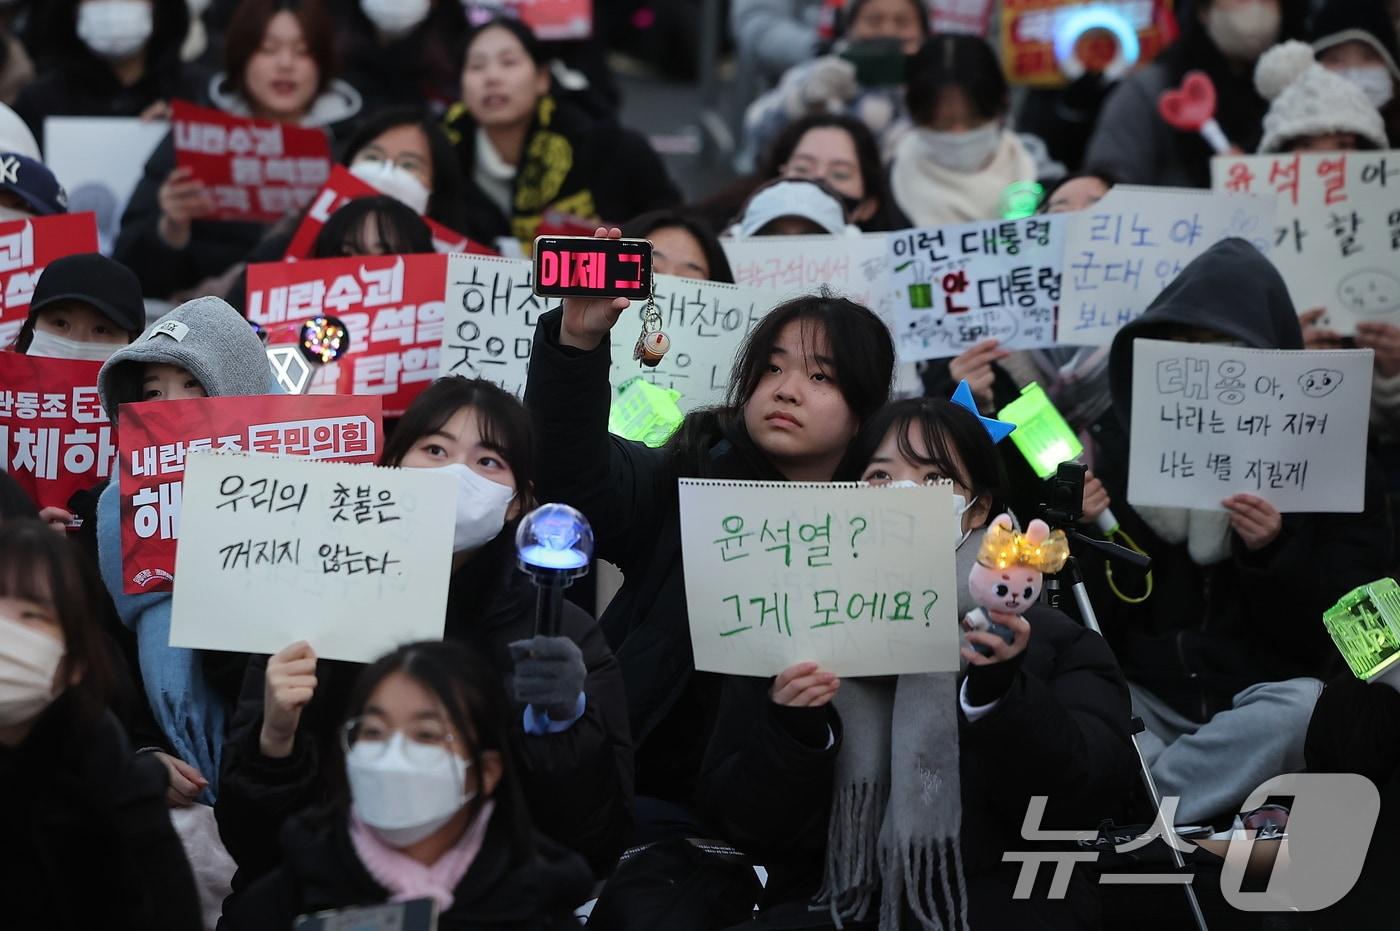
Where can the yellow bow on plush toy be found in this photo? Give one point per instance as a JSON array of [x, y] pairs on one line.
[[1039, 547]]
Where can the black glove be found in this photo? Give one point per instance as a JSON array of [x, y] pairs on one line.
[[549, 675]]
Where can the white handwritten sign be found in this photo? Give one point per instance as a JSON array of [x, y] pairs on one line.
[[856, 267], [99, 161], [953, 286], [859, 579], [1336, 232], [1121, 252], [492, 312], [1213, 421], [351, 558]]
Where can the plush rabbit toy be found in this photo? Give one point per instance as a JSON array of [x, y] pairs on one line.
[[1010, 570]]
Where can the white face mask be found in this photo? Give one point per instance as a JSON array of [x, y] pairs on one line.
[[43, 344], [967, 152], [28, 663], [481, 508], [114, 29], [1243, 32], [1375, 82], [960, 507], [398, 183], [406, 793], [395, 17]]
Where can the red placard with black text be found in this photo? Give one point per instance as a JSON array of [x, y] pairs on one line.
[[55, 438], [392, 306], [26, 246], [256, 170], [157, 435], [343, 187]]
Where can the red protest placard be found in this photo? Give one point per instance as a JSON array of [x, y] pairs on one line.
[[391, 304], [1048, 43], [256, 170], [26, 246], [343, 187], [157, 435], [55, 438], [557, 19]]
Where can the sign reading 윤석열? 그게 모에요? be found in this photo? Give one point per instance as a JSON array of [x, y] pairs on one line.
[[1336, 231], [1286, 425], [859, 579], [354, 559], [491, 315]]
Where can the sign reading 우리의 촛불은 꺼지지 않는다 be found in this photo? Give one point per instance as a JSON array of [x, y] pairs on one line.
[[1212, 421], [1336, 231], [354, 559], [489, 328], [857, 578]]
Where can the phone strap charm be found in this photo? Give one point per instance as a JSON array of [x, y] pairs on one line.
[[652, 344]]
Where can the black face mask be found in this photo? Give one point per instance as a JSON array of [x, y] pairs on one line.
[[849, 203]]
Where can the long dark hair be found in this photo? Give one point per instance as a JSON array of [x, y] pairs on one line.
[[401, 231], [641, 227], [872, 171], [446, 200], [53, 32], [957, 444], [863, 356], [41, 566], [955, 60], [473, 696]]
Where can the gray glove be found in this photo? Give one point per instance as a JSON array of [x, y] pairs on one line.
[[549, 674], [825, 85]]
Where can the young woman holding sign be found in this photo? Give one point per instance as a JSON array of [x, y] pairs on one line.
[[568, 724]]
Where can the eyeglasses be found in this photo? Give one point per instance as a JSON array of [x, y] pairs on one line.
[[370, 737]]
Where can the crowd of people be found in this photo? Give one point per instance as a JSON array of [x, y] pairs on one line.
[[523, 780]]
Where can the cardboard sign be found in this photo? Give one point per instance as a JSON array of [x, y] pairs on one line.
[[1336, 231], [859, 579], [55, 438], [954, 286], [256, 170], [351, 558], [492, 311], [99, 160], [343, 187], [392, 306], [157, 436], [1213, 421], [856, 267], [1048, 43], [1121, 252], [26, 247]]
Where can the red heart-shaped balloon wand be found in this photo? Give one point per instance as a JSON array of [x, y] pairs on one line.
[[1191, 108]]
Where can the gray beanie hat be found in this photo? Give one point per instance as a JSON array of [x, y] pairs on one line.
[[1308, 100], [207, 338]]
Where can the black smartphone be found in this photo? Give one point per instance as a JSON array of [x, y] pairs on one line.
[[879, 62], [582, 266]]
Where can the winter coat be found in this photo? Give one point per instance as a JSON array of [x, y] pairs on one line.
[[1208, 632], [1061, 730], [498, 893], [420, 67], [86, 86], [88, 838], [577, 783]]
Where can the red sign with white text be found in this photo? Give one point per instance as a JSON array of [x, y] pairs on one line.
[[157, 435], [55, 438], [256, 170], [1049, 43], [26, 246], [343, 187], [553, 20], [392, 306]]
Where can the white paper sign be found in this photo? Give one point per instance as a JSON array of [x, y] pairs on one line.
[[856, 267], [99, 160], [856, 578], [491, 315], [1336, 232], [1213, 421], [954, 286], [1121, 252], [353, 559]]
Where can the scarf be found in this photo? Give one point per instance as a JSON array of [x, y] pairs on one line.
[[493, 174], [931, 195], [1076, 379], [1205, 533], [896, 813], [405, 877]]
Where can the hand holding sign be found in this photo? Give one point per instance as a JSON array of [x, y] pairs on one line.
[[288, 687], [183, 199], [587, 322]]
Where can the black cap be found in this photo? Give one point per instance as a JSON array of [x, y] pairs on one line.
[[31, 181], [108, 287]]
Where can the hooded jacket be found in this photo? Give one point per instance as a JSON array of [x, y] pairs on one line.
[[1207, 632]]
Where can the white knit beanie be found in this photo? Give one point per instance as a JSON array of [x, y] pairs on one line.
[[1309, 100]]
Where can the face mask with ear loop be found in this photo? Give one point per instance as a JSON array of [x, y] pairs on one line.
[[29, 662], [45, 345], [394, 181], [960, 508]]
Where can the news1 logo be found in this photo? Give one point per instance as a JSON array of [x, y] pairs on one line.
[[592, 267]]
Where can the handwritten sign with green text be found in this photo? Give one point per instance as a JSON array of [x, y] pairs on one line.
[[859, 579]]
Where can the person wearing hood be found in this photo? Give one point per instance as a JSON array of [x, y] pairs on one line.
[[280, 62], [202, 348], [1312, 108], [430, 802], [1357, 39], [792, 207], [1223, 653], [401, 52], [109, 58], [1223, 38]]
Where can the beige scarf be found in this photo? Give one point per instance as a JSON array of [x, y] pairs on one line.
[[931, 195]]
